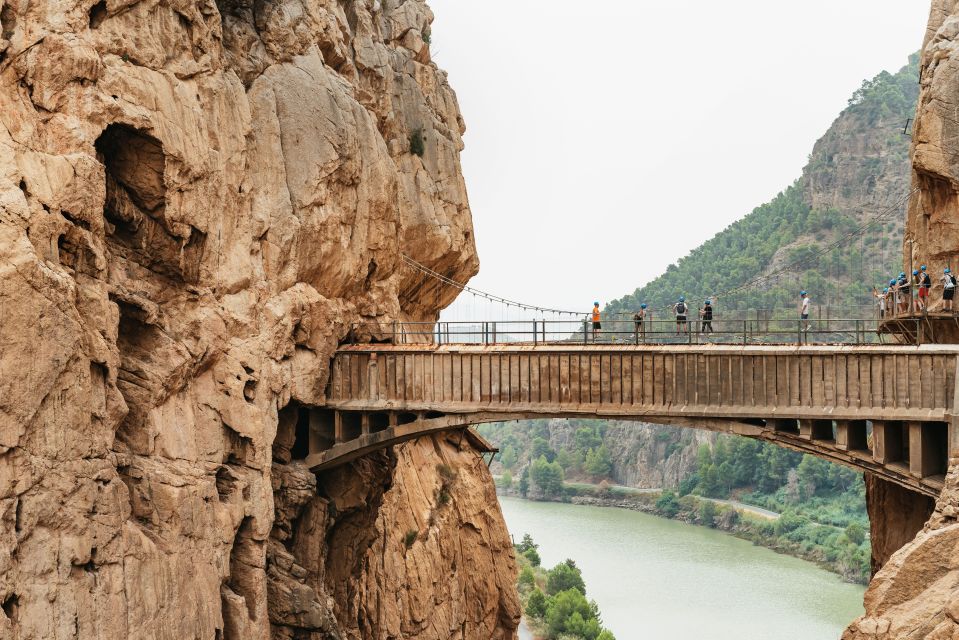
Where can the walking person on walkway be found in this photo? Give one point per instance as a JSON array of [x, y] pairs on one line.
[[639, 318], [706, 314], [948, 289], [881, 298], [925, 283], [905, 293], [804, 310], [680, 309], [892, 303], [597, 325]]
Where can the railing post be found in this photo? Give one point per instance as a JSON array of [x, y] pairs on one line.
[[494, 332], [585, 334], [799, 332], [439, 333], [744, 333], [544, 330], [535, 333], [394, 332], [918, 332]]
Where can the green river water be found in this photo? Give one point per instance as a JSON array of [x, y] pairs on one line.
[[659, 579]]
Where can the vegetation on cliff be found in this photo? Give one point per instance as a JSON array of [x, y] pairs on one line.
[[555, 601]]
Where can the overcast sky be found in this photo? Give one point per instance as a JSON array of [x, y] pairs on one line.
[[606, 140]]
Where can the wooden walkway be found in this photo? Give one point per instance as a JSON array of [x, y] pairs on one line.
[[884, 409]]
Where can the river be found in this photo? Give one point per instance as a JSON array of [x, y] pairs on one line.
[[659, 579]]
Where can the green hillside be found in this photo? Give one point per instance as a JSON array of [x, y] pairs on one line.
[[858, 170]]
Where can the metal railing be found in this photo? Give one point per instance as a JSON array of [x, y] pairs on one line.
[[624, 330]]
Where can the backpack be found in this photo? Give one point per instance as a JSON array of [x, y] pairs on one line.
[[680, 308], [926, 280], [952, 279]]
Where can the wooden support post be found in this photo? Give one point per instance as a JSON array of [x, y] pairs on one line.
[[338, 427], [927, 441], [805, 429], [886, 441], [842, 435], [365, 424]]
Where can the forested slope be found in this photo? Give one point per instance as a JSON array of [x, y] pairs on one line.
[[857, 171]]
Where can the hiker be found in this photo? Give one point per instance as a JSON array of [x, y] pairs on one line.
[[804, 309], [925, 283], [881, 298], [597, 325], [706, 314], [948, 289], [639, 318], [680, 309], [893, 301], [905, 293]]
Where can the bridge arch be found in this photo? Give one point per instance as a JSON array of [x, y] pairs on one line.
[[887, 410]]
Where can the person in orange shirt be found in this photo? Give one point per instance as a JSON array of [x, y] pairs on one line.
[[597, 325]]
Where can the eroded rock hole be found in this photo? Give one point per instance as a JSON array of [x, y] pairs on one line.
[[8, 21], [136, 203], [137, 341], [245, 556], [98, 13], [301, 436], [239, 448], [226, 483], [302, 430], [11, 607]]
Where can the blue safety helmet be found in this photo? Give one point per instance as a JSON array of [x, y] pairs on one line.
[[802, 293], [922, 268], [595, 304], [642, 306], [892, 282], [682, 298], [902, 275], [885, 290], [708, 302], [915, 272], [947, 270]]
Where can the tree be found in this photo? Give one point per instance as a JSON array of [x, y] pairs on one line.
[[667, 504], [547, 476], [524, 481], [536, 604], [562, 607], [855, 533], [605, 634], [508, 457], [506, 480], [599, 464], [526, 577], [540, 448], [707, 513], [564, 576], [526, 544], [533, 556]]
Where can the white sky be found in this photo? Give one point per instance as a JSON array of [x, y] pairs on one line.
[[606, 140]]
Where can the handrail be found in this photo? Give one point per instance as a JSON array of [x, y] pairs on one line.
[[858, 331]]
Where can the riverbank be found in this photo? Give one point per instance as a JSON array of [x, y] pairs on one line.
[[825, 545], [652, 577]]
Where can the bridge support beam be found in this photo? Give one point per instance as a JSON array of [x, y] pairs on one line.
[[887, 441], [851, 435], [322, 430], [815, 429], [927, 446]]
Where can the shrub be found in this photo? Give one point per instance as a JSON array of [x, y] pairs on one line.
[[417, 143], [526, 577], [410, 537], [563, 577], [536, 605], [707, 513], [667, 504], [533, 556]]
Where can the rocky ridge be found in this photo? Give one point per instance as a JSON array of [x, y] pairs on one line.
[[916, 593], [196, 201]]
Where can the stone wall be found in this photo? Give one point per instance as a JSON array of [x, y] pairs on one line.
[[196, 200]]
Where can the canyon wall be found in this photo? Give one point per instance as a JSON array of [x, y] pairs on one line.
[[916, 593], [197, 199]]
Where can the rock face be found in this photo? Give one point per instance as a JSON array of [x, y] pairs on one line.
[[197, 199], [916, 593]]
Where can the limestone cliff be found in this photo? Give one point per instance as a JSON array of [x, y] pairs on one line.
[[197, 199], [916, 593]]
